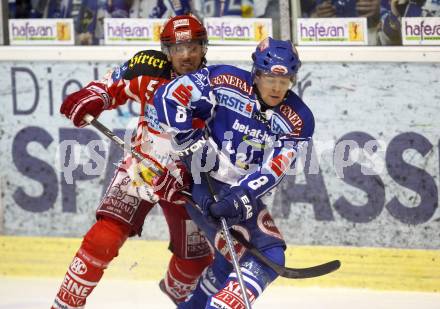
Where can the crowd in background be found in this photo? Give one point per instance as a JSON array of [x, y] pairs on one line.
[[383, 16], [89, 14]]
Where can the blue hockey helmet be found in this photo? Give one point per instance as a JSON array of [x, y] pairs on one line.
[[275, 57]]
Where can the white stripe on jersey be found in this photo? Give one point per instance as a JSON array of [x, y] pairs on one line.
[[164, 94], [249, 280], [80, 280], [131, 94]]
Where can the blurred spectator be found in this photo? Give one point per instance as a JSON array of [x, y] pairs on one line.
[[90, 22], [89, 15], [220, 8], [346, 8], [62, 8], [269, 9], [392, 12], [150, 9], [239, 8], [160, 8], [26, 8], [208, 8]]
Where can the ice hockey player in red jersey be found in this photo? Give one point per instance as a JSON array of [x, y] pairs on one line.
[[125, 205]]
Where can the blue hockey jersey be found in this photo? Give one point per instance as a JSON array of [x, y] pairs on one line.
[[256, 148]]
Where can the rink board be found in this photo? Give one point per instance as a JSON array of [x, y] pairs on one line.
[[371, 268]]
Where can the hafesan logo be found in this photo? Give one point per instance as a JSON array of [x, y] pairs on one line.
[[157, 29], [260, 31], [355, 32], [63, 31]]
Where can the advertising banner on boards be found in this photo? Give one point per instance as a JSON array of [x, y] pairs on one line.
[[420, 30], [132, 31], [332, 31], [51, 31], [237, 31]]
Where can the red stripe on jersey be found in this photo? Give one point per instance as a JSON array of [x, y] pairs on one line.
[[146, 94], [279, 164], [134, 88]]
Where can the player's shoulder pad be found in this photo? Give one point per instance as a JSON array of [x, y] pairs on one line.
[[230, 76], [298, 115], [219, 69], [152, 63]]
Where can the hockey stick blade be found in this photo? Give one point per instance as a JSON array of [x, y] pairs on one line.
[[286, 272]]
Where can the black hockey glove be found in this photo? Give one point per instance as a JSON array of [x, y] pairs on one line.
[[235, 205]]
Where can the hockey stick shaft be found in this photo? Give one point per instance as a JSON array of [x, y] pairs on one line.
[[142, 159], [230, 245], [107, 132]]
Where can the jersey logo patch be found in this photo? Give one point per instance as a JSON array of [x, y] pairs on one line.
[[150, 115], [147, 63], [279, 69], [267, 225], [78, 266], [182, 94], [233, 81], [279, 126], [293, 118], [235, 102], [150, 60], [221, 245], [253, 133]]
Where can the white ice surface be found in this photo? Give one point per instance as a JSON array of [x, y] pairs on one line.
[[22, 293]]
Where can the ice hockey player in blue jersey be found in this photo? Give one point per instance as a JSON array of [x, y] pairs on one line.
[[254, 127]]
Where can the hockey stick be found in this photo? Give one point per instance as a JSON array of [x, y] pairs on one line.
[[282, 271], [286, 272], [230, 245], [107, 132], [142, 159], [291, 273]]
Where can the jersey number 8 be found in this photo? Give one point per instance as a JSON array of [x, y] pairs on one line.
[[257, 183], [181, 114]]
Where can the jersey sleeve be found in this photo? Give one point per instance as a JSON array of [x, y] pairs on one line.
[[137, 79], [281, 157], [278, 161], [178, 102]]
